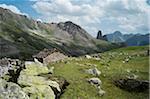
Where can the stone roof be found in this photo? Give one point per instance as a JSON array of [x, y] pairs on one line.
[[44, 53]]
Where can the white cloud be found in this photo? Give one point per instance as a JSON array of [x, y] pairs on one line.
[[12, 8], [65, 7], [108, 15]]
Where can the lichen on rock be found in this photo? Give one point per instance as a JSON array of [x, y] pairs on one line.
[[35, 69], [9, 90], [35, 85], [39, 92]]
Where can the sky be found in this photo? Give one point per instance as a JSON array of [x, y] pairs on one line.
[[127, 16]]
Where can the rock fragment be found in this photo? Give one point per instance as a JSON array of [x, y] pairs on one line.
[[94, 71]]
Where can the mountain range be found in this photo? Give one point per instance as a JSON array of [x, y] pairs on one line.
[[128, 39], [21, 36]]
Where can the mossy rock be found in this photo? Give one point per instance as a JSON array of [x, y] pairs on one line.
[[40, 92], [9, 90], [35, 69], [37, 80], [36, 85]]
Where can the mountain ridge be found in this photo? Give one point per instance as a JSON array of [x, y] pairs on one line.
[[129, 39], [29, 36]]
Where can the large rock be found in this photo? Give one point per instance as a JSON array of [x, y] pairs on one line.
[[88, 56], [11, 67], [100, 36], [9, 90], [94, 71], [39, 92], [36, 84], [95, 81], [33, 68], [101, 92], [132, 84], [26, 80], [63, 83]]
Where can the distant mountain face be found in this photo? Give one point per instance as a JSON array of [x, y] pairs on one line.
[[115, 37], [22, 36], [138, 40], [128, 39]]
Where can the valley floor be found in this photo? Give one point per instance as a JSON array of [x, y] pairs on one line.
[[69, 78], [114, 65]]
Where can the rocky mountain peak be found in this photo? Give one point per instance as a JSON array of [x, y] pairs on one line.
[[6, 12], [117, 33], [70, 27], [3, 9], [100, 36]]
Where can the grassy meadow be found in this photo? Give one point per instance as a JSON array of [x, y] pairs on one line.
[[112, 68]]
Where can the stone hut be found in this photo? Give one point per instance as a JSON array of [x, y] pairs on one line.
[[49, 55]]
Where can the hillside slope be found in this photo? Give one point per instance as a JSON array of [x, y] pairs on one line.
[[23, 36]]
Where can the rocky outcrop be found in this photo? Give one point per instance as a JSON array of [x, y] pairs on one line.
[[29, 80], [100, 36], [105, 37], [132, 85], [9, 90], [37, 81], [36, 85], [70, 27], [63, 83], [10, 68], [97, 82], [93, 71], [88, 56]]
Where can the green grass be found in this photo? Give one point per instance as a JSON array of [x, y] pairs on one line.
[[79, 88]]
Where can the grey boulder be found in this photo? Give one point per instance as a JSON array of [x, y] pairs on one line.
[[9, 90]]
